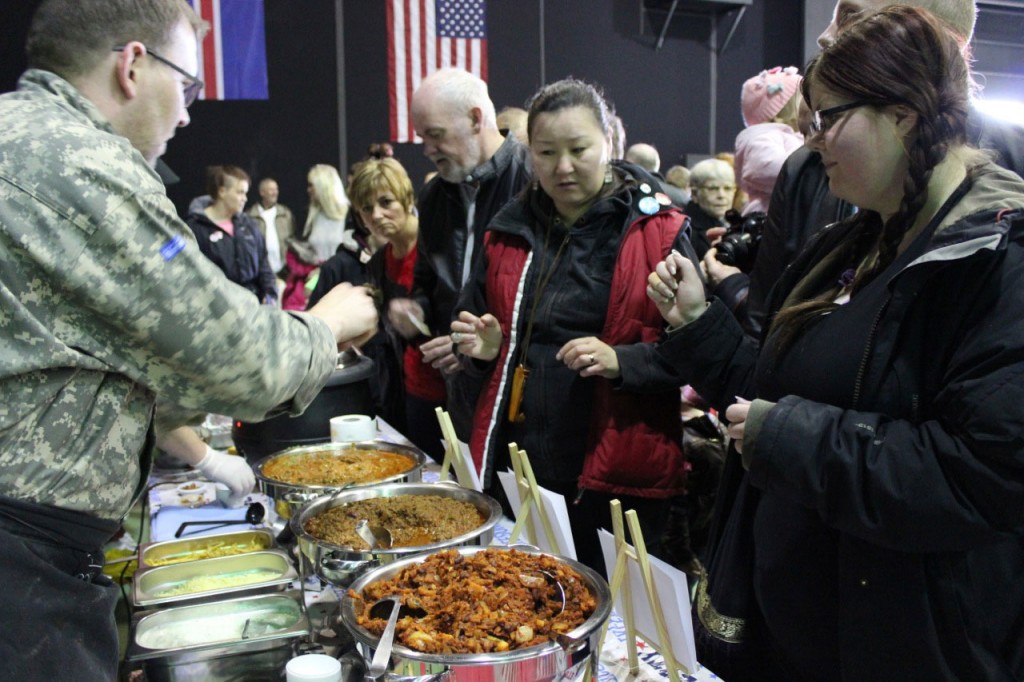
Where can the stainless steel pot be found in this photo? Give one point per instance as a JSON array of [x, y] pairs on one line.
[[347, 391], [289, 497], [568, 658], [340, 565]]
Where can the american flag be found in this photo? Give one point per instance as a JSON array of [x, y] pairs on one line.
[[233, 56], [424, 36]]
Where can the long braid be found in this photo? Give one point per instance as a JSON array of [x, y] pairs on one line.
[[898, 56]]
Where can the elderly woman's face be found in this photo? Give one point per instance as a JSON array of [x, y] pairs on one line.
[[715, 195], [569, 150]]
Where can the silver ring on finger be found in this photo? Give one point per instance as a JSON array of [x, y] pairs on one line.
[[590, 358]]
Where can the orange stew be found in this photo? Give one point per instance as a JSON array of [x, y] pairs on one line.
[[337, 467], [489, 601]]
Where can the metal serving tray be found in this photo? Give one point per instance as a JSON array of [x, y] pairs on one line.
[[206, 642], [179, 550], [150, 583]]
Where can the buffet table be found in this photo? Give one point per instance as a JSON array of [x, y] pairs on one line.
[[170, 507]]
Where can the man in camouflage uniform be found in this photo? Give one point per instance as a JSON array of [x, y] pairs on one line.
[[106, 305]]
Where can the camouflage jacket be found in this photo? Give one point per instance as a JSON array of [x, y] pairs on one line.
[[106, 304]]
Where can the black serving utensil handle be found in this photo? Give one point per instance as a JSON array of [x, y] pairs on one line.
[[214, 524], [253, 515]]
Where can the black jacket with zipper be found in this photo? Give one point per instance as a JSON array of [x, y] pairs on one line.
[[921, 484]]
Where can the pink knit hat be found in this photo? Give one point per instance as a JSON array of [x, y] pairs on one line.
[[766, 94]]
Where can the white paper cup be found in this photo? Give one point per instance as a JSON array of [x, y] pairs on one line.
[[350, 428], [313, 668]]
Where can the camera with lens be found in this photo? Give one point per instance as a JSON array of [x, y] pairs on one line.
[[739, 245]]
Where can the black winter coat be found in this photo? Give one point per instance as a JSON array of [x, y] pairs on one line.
[[920, 487], [242, 257], [442, 239]]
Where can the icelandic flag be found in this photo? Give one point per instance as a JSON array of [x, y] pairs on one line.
[[233, 56]]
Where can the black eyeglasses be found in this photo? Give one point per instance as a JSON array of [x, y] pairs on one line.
[[192, 87], [826, 118]]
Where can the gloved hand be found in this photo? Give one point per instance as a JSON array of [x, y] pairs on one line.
[[231, 470]]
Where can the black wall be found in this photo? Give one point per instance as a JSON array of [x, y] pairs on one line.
[[662, 95]]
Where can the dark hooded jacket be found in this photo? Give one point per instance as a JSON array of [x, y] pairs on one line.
[[915, 494]]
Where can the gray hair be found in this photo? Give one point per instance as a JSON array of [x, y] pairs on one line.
[[70, 37], [710, 169], [458, 91]]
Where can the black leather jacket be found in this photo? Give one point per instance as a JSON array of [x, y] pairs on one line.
[[442, 237]]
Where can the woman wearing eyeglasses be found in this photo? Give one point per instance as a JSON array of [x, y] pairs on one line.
[[870, 525], [713, 184]]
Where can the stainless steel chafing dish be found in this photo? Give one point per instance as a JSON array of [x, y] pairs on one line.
[[151, 585], [249, 638], [191, 549], [569, 658], [290, 497], [340, 565]]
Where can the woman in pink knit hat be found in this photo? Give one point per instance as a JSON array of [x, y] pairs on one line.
[[770, 102]]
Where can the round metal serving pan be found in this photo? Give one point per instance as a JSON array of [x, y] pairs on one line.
[[541, 662], [340, 565], [290, 497]]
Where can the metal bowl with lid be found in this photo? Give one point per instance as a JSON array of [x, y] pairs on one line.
[[289, 497], [340, 565], [567, 657]]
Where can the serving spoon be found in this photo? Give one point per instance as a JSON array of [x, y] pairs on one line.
[[537, 577], [375, 536], [382, 654]]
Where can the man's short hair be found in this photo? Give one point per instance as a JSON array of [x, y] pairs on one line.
[[678, 176], [645, 156], [70, 37], [959, 15]]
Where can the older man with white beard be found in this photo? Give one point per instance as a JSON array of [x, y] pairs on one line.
[[479, 171]]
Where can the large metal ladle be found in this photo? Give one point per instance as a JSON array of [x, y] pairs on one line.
[[377, 537], [382, 654], [253, 516]]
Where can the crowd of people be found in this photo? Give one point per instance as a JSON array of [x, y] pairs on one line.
[[551, 288]]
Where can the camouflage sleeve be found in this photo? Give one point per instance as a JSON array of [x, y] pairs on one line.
[[143, 300]]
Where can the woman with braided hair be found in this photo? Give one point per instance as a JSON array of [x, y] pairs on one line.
[[871, 517]]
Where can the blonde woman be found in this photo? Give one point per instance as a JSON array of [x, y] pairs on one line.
[[328, 206], [322, 234]]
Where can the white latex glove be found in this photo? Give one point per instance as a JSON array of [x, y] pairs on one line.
[[231, 470]]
